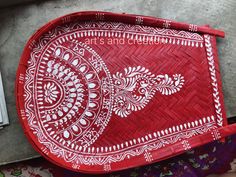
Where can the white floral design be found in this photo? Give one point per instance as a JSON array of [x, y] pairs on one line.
[[137, 85], [50, 92]]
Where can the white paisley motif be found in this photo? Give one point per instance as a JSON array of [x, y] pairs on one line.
[[135, 88]]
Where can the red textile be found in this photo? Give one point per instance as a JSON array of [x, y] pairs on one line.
[[99, 92]]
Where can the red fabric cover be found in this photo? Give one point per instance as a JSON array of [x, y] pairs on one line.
[[99, 92]]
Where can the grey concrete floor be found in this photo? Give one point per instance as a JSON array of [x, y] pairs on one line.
[[6, 3], [18, 23]]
